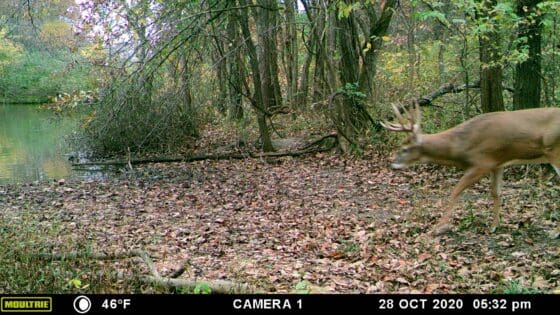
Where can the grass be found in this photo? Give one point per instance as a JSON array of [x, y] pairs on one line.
[[25, 269], [515, 286]]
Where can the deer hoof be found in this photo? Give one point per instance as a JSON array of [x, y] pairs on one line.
[[442, 229]]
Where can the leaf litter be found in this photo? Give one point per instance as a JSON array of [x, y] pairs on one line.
[[324, 222]]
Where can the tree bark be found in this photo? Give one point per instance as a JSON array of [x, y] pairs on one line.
[[266, 18], [220, 67], [303, 89], [491, 94], [527, 85], [324, 80], [259, 101], [214, 157], [349, 56], [291, 52], [378, 28], [411, 47], [235, 63]]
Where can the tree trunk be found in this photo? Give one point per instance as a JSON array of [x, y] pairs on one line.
[[235, 63], [320, 80], [220, 67], [491, 92], [374, 36], [324, 80], [349, 56], [304, 79], [266, 18], [411, 47], [291, 52], [258, 99], [351, 116], [440, 35], [527, 85]]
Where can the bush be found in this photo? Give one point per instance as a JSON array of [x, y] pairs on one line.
[[136, 116]]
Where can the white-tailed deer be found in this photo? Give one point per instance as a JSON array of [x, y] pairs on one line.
[[484, 144]]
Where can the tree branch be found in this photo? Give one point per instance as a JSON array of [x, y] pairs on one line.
[[447, 88], [215, 286]]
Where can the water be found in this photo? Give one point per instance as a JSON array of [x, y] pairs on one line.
[[33, 146]]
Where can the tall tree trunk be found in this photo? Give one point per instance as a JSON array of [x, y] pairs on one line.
[[291, 52], [349, 56], [440, 35], [266, 17], [352, 116], [235, 63], [324, 79], [258, 99], [220, 67], [491, 91], [378, 27], [527, 85], [303, 88], [186, 90], [320, 81], [411, 46]]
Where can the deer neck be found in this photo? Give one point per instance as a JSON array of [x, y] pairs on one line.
[[438, 148]]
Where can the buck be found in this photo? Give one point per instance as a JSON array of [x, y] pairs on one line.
[[482, 145]]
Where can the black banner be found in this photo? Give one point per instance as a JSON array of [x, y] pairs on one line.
[[378, 304]]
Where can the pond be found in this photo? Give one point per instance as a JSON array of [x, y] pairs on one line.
[[33, 146]]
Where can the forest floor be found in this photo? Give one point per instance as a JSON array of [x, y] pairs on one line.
[[322, 223]]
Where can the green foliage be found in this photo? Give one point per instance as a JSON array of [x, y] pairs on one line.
[[10, 52], [38, 75], [432, 14], [302, 287], [515, 286], [344, 9], [352, 91], [393, 77], [468, 220], [202, 288], [350, 247]]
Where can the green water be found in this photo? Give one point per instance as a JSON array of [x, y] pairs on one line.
[[32, 144]]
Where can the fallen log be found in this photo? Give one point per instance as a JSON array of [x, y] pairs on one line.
[[201, 157]]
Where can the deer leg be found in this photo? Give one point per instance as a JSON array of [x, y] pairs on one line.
[[472, 176], [554, 234], [495, 191], [556, 167], [553, 154]]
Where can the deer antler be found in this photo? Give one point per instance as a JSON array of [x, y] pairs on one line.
[[417, 117], [413, 117]]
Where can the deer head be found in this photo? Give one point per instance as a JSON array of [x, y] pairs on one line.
[[411, 151]]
